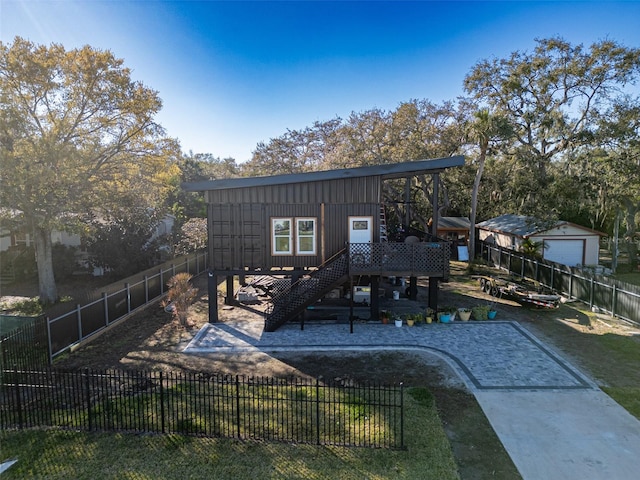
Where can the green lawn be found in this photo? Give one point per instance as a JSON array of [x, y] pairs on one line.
[[58, 454]]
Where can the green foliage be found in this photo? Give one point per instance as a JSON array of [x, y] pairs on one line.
[[76, 135], [30, 307], [64, 261], [532, 248], [124, 246], [422, 396], [193, 236]]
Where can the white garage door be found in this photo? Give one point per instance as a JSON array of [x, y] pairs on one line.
[[566, 252]]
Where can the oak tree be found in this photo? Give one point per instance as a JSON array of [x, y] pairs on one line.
[[77, 137]]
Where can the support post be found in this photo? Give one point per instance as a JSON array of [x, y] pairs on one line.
[[212, 286], [375, 299], [413, 288], [228, 299], [351, 304], [433, 293]]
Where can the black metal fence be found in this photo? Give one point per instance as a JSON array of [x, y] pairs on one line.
[[76, 323], [203, 404], [25, 346], [606, 294]]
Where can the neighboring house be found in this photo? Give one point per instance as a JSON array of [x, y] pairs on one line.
[[322, 228], [563, 242], [456, 230]]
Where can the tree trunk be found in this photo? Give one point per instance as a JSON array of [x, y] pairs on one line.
[[474, 202], [44, 259], [631, 209]]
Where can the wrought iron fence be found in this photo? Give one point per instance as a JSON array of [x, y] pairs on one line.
[[293, 410], [25, 345], [609, 295]]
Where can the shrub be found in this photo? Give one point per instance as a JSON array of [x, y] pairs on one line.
[[181, 295]]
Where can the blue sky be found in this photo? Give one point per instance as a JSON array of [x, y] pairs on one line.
[[232, 74]]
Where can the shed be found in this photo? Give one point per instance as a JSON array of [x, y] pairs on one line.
[[319, 229], [563, 242]]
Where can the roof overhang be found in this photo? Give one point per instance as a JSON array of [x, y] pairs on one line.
[[385, 171]]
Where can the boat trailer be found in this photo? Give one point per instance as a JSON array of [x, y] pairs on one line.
[[523, 291]]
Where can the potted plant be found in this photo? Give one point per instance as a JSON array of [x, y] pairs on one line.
[[446, 315], [398, 321], [410, 319], [428, 316], [480, 312], [464, 313], [491, 314], [385, 316]]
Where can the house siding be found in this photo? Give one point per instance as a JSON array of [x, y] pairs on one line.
[[348, 190]]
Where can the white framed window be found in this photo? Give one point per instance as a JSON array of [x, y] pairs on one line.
[[285, 230], [306, 236], [281, 235]]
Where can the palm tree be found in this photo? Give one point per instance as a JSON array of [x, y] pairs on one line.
[[487, 131]]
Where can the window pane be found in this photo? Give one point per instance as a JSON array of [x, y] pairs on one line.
[[281, 236], [282, 244], [305, 244], [306, 227], [306, 236], [282, 227]]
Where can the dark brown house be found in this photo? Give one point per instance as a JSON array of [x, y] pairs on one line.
[[320, 229]]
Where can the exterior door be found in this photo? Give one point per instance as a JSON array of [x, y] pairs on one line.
[[360, 232]]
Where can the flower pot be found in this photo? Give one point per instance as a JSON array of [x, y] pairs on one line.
[[428, 319], [491, 314], [398, 323], [410, 322], [464, 314], [444, 317]]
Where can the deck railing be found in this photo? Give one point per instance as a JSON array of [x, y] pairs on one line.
[[400, 259]]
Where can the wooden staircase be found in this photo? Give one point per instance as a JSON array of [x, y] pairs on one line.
[[291, 302]]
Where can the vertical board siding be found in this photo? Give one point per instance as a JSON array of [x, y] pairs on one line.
[[240, 225], [346, 190]]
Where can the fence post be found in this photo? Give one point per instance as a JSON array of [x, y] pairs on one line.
[[48, 320], [162, 425], [317, 411], [87, 394], [146, 289], [402, 415], [570, 284], [591, 287], [18, 403], [613, 300], [79, 318], [238, 405], [105, 303], [161, 282], [128, 289]]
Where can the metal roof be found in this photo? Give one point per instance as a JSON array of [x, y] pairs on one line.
[[460, 223], [386, 171], [524, 226]]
